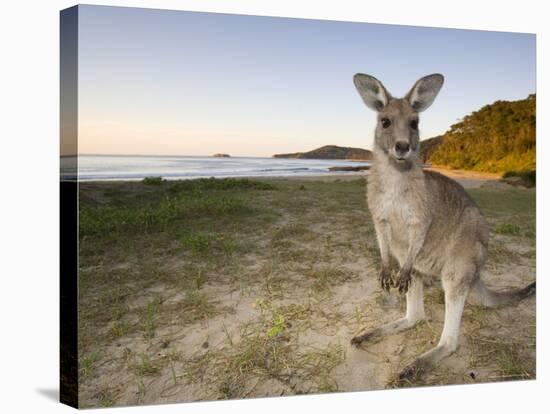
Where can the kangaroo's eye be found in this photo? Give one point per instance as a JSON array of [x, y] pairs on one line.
[[385, 122], [414, 124]]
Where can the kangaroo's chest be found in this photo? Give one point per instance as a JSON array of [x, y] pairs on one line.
[[394, 206], [397, 205]]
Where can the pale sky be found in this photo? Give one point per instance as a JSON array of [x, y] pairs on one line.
[[186, 83]]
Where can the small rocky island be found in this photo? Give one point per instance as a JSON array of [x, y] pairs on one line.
[[331, 152], [221, 155]]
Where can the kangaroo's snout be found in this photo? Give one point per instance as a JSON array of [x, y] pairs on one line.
[[402, 148]]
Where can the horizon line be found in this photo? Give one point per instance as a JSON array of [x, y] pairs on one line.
[[159, 155]]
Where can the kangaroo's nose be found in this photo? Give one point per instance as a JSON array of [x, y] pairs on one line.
[[402, 147]]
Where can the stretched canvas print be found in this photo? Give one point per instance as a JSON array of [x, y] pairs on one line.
[[262, 206]]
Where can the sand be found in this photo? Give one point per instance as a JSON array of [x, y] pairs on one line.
[[468, 179], [312, 235]]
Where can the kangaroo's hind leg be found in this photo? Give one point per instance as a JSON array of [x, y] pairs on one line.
[[415, 314], [456, 287]]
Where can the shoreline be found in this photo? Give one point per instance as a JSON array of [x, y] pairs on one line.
[[467, 178], [465, 173]]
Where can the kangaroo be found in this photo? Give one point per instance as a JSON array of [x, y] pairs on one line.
[[425, 220]]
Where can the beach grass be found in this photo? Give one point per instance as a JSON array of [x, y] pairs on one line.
[[226, 288]]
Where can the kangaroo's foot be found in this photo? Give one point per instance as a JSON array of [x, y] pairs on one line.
[[421, 365], [387, 329], [455, 296]]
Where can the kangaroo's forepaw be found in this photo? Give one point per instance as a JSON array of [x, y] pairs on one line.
[[403, 281], [384, 277]]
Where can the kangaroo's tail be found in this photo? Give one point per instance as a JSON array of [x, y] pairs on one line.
[[492, 298]]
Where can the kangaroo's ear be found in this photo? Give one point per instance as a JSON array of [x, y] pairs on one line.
[[372, 91], [424, 91]]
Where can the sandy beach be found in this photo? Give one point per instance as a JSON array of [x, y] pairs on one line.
[[215, 289], [468, 179]]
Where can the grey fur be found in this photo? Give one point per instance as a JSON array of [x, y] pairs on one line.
[[423, 219]]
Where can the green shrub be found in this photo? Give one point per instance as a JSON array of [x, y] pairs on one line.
[[96, 220], [528, 177], [510, 229], [209, 243], [152, 180], [215, 184]]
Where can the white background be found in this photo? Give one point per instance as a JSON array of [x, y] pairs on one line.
[[29, 234]]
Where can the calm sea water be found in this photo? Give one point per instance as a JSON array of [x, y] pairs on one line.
[[107, 167]]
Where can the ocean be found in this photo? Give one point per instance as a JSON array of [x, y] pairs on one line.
[[134, 167]]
